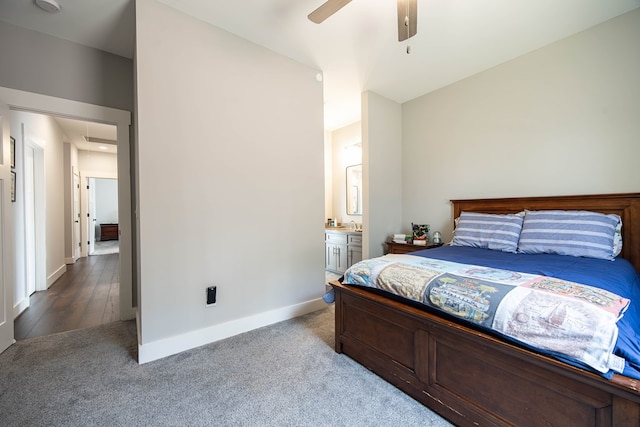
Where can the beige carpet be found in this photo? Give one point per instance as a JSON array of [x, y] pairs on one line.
[[286, 374]]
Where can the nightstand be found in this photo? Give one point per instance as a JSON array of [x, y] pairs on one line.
[[404, 248], [108, 232]]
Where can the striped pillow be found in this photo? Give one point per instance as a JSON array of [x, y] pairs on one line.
[[498, 232], [574, 233]]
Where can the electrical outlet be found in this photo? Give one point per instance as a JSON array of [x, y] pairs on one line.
[[211, 295]]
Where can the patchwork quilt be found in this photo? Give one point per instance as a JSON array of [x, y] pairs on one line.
[[554, 315]]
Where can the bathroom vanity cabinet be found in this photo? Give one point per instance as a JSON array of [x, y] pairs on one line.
[[343, 248]]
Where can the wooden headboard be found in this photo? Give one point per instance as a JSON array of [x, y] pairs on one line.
[[625, 205]]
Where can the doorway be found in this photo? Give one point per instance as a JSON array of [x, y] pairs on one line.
[[62, 302], [102, 224], [16, 100]]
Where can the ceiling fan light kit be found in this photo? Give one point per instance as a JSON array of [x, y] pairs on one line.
[[50, 6]]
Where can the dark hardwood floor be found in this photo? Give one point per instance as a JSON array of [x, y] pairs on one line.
[[86, 295]]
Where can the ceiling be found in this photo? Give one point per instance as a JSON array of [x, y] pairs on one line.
[[356, 49], [90, 136]]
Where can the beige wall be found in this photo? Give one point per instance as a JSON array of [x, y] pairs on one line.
[[231, 183], [564, 119], [382, 171]]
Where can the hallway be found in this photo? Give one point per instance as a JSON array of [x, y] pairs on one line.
[[86, 295]]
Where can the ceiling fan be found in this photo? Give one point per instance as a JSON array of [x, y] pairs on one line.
[[407, 15]]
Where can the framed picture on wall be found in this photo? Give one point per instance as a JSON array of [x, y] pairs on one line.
[[13, 186], [13, 152]]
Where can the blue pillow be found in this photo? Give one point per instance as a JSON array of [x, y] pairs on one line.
[[490, 231], [574, 233]]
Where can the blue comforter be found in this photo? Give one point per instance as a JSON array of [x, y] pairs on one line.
[[618, 277]]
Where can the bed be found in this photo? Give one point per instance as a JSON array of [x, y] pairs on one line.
[[472, 377]]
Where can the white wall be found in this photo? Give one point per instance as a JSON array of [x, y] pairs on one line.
[[44, 132], [231, 186], [96, 163], [106, 202], [564, 119], [382, 171], [37, 62], [328, 176], [70, 164]]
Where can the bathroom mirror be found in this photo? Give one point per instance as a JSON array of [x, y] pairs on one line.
[[354, 190]]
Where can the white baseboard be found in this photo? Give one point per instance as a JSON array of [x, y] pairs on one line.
[[70, 260], [56, 275], [169, 346], [20, 306]]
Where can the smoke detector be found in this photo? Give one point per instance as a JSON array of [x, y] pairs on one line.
[[50, 6]]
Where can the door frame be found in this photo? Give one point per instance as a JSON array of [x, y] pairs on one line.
[[89, 200], [7, 264], [35, 250], [91, 215], [44, 104], [76, 231]]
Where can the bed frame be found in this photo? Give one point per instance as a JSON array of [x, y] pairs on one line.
[[474, 379]]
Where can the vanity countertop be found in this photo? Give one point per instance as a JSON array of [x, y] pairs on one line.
[[342, 229]]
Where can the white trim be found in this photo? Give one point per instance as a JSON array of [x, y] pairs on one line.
[[84, 208], [7, 275], [70, 260], [99, 175], [166, 347], [44, 104], [20, 306], [39, 251], [56, 275]]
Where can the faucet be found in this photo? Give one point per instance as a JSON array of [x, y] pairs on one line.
[[353, 225]]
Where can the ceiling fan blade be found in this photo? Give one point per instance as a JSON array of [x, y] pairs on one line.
[[326, 10], [407, 19]]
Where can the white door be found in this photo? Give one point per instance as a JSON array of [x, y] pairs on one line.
[[6, 291], [76, 239], [34, 217], [29, 219]]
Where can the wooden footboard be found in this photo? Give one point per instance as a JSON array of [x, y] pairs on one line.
[[471, 378]]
